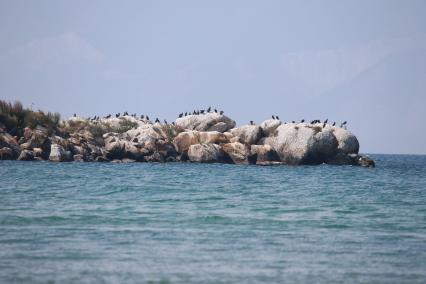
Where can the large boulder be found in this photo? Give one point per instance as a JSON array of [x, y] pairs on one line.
[[247, 134], [347, 142], [58, 154], [207, 153], [184, 140], [269, 126], [206, 122], [7, 141], [303, 144], [239, 153], [264, 154]]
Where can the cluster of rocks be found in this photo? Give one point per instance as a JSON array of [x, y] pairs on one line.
[[207, 138]]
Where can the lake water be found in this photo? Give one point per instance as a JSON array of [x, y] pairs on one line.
[[195, 223]]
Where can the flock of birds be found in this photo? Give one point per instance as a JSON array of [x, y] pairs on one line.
[[201, 112], [315, 121]]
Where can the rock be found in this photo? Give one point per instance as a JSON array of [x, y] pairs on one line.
[[206, 122], [7, 153], [166, 149], [247, 134], [207, 153], [269, 126], [184, 140], [78, 158], [38, 152], [7, 141], [365, 162], [26, 155], [347, 142], [58, 154], [302, 143], [155, 157], [342, 159], [239, 153], [265, 155], [101, 159]]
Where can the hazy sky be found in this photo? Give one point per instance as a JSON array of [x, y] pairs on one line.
[[360, 61]]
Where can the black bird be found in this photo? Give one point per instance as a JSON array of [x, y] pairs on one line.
[[251, 122], [334, 123], [180, 115], [157, 120], [277, 117], [186, 113], [147, 117], [323, 126], [293, 121], [209, 109], [108, 116], [325, 121], [273, 116], [302, 121], [202, 111], [75, 115], [117, 115], [173, 123], [221, 112], [165, 122], [343, 123], [142, 116], [215, 110]]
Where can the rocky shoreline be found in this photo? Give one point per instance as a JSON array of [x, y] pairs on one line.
[[209, 137]]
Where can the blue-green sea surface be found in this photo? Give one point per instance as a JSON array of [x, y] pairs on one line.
[[195, 223]]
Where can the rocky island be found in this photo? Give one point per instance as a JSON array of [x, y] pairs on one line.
[[202, 137]]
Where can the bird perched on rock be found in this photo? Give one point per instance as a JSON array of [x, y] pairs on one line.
[[251, 122], [325, 121], [277, 117], [165, 122], [75, 115], [293, 121], [324, 124], [142, 116], [147, 117], [221, 112], [202, 111], [173, 123], [215, 110], [343, 123], [157, 120], [302, 121], [180, 115], [334, 123], [117, 115], [108, 116], [209, 109], [186, 113], [273, 116]]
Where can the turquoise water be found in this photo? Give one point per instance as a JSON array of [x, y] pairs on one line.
[[193, 223]]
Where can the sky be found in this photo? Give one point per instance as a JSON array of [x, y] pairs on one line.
[[359, 61]]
